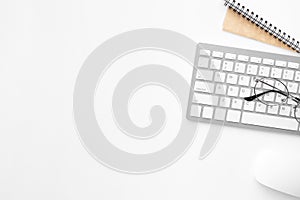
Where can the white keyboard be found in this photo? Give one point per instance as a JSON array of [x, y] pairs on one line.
[[223, 76]]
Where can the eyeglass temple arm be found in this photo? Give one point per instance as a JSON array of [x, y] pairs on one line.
[[251, 98], [296, 99]]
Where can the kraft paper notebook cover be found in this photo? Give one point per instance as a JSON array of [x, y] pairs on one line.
[[243, 21]]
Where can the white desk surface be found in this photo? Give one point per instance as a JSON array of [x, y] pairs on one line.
[[44, 43]]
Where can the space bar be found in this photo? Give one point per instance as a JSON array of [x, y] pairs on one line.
[[269, 121]]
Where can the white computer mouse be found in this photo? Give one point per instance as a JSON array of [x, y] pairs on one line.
[[279, 170]]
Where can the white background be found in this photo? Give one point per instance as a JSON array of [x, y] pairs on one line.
[[42, 47]]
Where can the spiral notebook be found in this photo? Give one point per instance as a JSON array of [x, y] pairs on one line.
[[243, 21]]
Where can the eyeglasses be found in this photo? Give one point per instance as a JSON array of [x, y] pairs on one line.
[[273, 92]]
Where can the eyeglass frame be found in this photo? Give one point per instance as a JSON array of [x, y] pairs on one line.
[[279, 91]]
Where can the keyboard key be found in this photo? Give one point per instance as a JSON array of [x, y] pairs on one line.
[[279, 98], [237, 103], [285, 110], [233, 91], [225, 102], [295, 112], [220, 114], [257, 92], [292, 103], [227, 66], [269, 121], [281, 85], [230, 56], [293, 65], [260, 107], [268, 61], [232, 78], [297, 76], [253, 81], [292, 87], [240, 68], [268, 85], [195, 110], [204, 52], [249, 105], [202, 86], [215, 64], [221, 89], [299, 90], [220, 77], [207, 112], [273, 109], [203, 74], [233, 116], [264, 71], [206, 99], [276, 72], [288, 74], [217, 54], [252, 69], [203, 62], [243, 58], [280, 63], [269, 97], [255, 60], [245, 92], [244, 80]]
